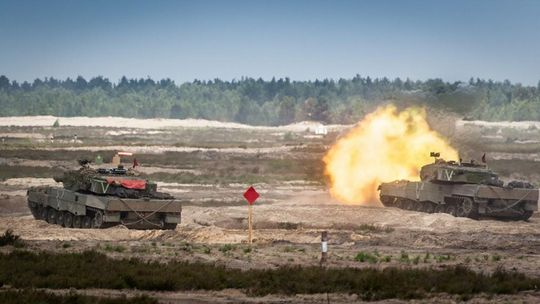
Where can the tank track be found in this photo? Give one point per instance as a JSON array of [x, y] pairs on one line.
[[93, 219], [456, 206]]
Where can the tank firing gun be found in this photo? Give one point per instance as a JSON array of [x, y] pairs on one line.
[[465, 189]]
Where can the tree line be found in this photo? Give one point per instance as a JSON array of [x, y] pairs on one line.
[[264, 102]]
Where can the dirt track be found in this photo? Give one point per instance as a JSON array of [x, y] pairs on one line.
[[306, 210]]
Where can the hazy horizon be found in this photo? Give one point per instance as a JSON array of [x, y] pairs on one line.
[[117, 81]]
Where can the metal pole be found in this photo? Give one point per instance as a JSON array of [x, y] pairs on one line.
[[250, 224], [324, 247]]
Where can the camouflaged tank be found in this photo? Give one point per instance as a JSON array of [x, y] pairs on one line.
[[462, 189], [100, 198]]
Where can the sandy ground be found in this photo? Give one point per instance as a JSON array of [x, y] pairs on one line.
[[160, 123], [297, 221], [156, 123], [288, 218], [523, 125], [162, 149], [305, 210], [235, 296], [287, 232]]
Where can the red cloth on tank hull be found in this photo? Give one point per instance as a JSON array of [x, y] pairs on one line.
[[139, 184]]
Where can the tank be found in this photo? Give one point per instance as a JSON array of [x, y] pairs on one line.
[[463, 189], [101, 198]]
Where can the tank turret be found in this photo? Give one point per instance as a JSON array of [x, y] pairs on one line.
[[109, 181], [442, 171]]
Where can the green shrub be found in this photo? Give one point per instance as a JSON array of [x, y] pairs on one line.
[[288, 249], [374, 228], [9, 238], [23, 269], [387, 258], [42, 297], [288, 226], [116, 248], [404, 257], [442, 258], [227, 247], [288, 136], [366, 257], [187, 247]]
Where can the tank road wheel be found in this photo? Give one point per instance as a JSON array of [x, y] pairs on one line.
[[33, 209], [87, 222], [40, 212], [418, 206], [404, 204], [68, 220], [45, 213], [51, 216], [450, 209], [428, 207], [398, 203], [60, 218], [466, 208], [387, 200], [526, 215], [169, 226], [77, 221], [521, 214], [439, 208], [407, 205], [97, 222]]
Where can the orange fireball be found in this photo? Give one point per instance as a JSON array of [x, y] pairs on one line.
[[386, 145]]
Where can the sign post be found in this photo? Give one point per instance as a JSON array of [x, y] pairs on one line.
[[250, 223], [251, 196], [324, 247]]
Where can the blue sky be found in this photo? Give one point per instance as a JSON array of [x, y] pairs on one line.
[[303, 40]]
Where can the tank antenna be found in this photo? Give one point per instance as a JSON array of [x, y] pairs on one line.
[[435, 155]]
